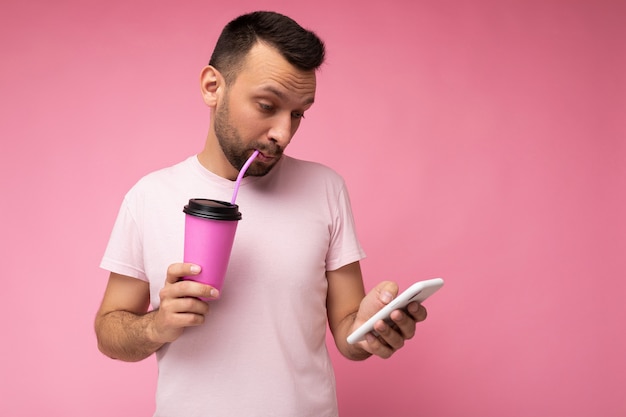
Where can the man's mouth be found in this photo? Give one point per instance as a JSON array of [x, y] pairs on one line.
[[265, 157]]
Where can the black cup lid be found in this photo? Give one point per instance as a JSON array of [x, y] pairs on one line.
[[212, 209]]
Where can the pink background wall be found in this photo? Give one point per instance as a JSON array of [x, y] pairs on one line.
[[496, 129]]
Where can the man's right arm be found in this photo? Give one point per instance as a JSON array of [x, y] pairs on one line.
[[127, 331], [123, 323]]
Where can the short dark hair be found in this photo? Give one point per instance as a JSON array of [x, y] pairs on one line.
[[300, 47]]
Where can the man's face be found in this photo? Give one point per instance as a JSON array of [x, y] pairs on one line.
[[262, 109]]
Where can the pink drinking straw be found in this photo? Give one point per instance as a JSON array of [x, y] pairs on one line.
[[241, 174]]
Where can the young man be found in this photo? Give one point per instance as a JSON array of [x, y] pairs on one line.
[[258, 348]]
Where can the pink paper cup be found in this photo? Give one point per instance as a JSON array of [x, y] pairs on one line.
[[210, 227]]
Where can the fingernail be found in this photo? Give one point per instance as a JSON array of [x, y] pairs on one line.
[[194, 269], [386, 297], [214, 293], [414, 307]]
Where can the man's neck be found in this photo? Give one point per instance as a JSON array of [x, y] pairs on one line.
[[212, 158]]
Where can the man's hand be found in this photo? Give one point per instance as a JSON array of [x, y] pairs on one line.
[[181, 305], [390, 337]]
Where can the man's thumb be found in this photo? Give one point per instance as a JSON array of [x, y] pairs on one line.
[[381, 295]]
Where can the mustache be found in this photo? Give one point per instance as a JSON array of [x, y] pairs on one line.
[[269, 149]]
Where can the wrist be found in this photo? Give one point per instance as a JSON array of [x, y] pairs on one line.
[[152, 334]]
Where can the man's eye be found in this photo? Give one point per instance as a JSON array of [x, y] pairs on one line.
[[266, 107], [297, 115]]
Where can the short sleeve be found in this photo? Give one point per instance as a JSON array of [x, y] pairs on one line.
[[344, 244], [124, 252]]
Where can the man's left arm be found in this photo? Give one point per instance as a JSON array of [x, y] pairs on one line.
[[348, 307]]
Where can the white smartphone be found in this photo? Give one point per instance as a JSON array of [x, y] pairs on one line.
[[419, 292]]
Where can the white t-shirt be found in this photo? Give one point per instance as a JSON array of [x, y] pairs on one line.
[[261, 351]]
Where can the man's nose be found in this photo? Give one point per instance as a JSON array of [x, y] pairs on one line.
[[282, 130]]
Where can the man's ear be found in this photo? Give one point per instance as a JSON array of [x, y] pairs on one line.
[[211, 85]]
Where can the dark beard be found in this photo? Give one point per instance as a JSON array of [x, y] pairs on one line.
[[232, 145]]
